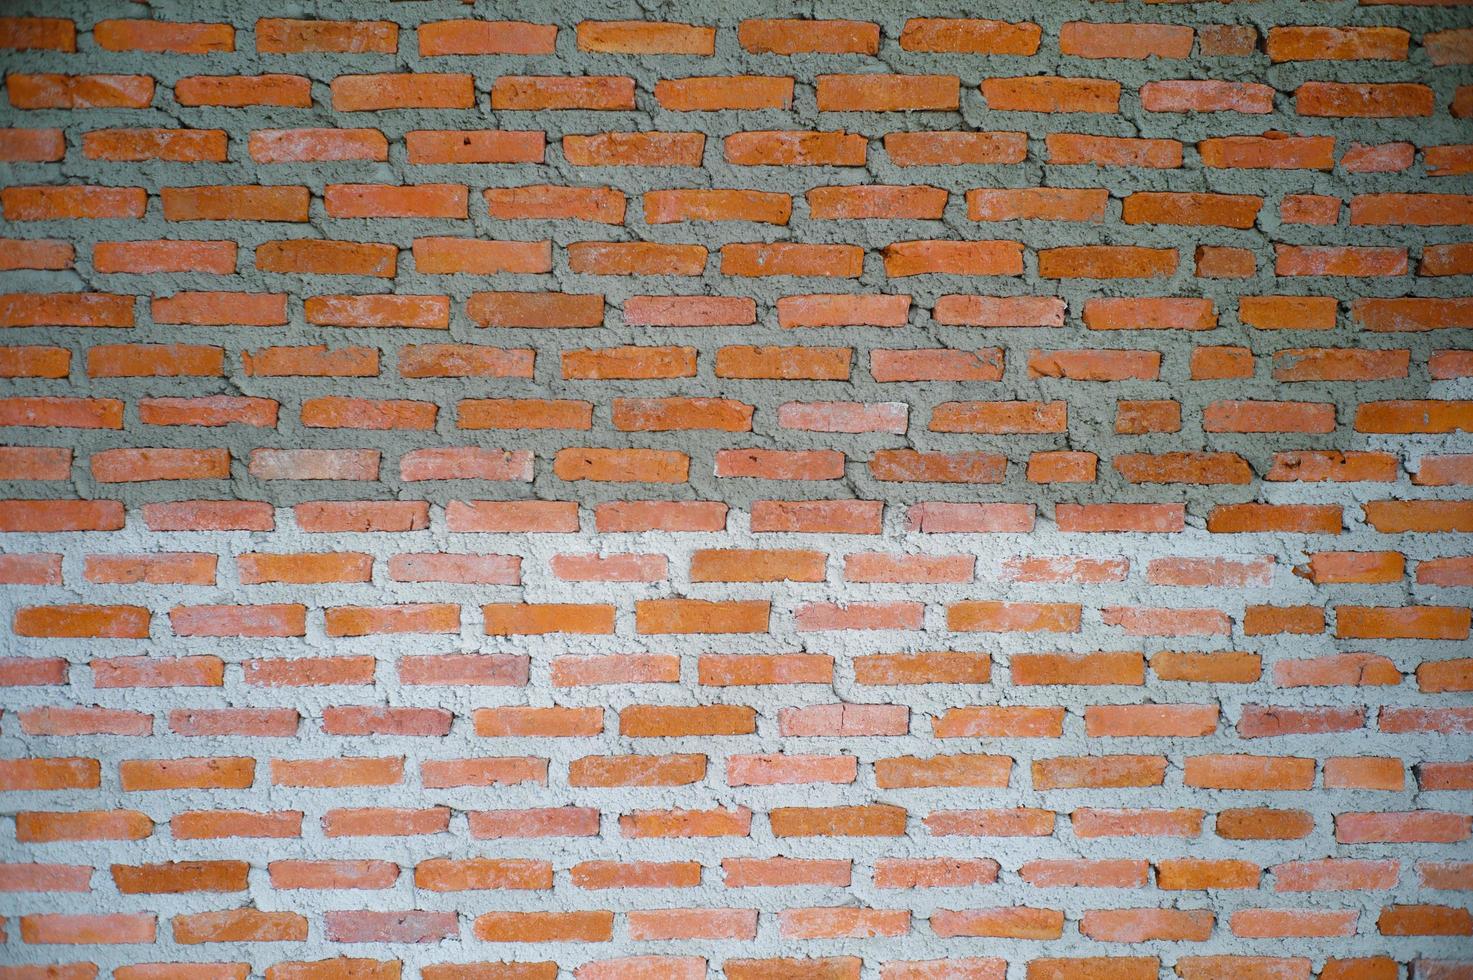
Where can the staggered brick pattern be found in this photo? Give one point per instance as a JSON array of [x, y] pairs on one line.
[[520, 491]]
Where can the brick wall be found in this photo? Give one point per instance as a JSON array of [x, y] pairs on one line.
[[512, 492]]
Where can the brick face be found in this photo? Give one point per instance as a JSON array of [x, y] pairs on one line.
[[690, 492]]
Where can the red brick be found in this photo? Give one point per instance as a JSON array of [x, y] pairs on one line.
[[173, 145], [715, 93], [1048, 93], [294, 91], [66, 310], [359, 93], [808, 36], [275, 36], [1337, 43], [598, 204], [79, 91], [552, 92], [28, 253], [1113, 151], [236, 203], [911, 149], [736, 490], [1207, 96], [38, 33], [795, 148], [474, 146], [1368, 100]]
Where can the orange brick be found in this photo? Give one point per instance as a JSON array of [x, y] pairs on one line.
[[808, 36]]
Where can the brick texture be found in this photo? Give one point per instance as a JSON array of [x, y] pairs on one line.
[[514, 490]]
